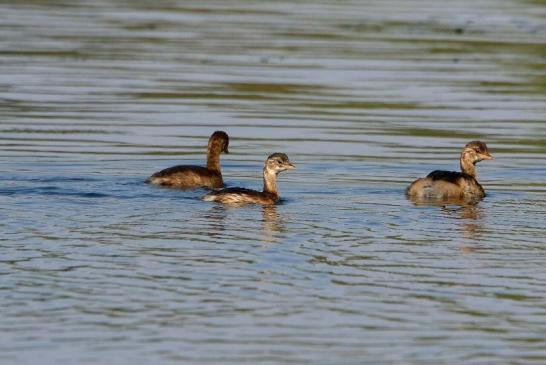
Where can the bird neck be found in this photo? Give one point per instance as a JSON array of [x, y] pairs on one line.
[[213, 159], [467, 166], [270, 182]]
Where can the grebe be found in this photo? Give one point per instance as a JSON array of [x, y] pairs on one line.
[[451, 184], [185, 176], [274, 164]]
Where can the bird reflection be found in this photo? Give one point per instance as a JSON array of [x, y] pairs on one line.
[[219, 215], [468, 213], [470, 219], [272, 223], [424, 201]]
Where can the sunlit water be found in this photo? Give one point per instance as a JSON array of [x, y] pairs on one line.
[[364, 97]]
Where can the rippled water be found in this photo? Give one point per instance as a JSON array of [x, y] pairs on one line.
[[364, 96]]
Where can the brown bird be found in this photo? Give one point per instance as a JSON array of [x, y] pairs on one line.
[[274, 164], [451, 184], [187, 176]]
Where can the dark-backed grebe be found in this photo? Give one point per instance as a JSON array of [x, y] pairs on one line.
[[185, 176], [451, 184], [274, 164]]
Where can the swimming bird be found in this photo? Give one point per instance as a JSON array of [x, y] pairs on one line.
[[274, 164], [451, 184], [188, 176]]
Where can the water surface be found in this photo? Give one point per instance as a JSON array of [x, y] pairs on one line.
[[364, 96]]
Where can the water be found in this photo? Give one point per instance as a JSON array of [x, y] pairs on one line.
[[363, 96]]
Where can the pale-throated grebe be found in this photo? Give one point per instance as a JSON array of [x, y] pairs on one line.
[[274, 164]]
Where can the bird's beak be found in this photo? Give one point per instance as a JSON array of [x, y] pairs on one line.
[[290, 166], [486, 156], [226, 150]]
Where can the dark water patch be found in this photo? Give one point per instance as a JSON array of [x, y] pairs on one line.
[[195, 95], [50, 191], [274, 88], [440, 133], [59, 131], [44, 53], [52, 179]]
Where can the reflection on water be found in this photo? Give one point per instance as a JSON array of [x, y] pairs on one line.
[[471, 221], [272, 223], [218, 221], [366, 96], [468, 213]]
